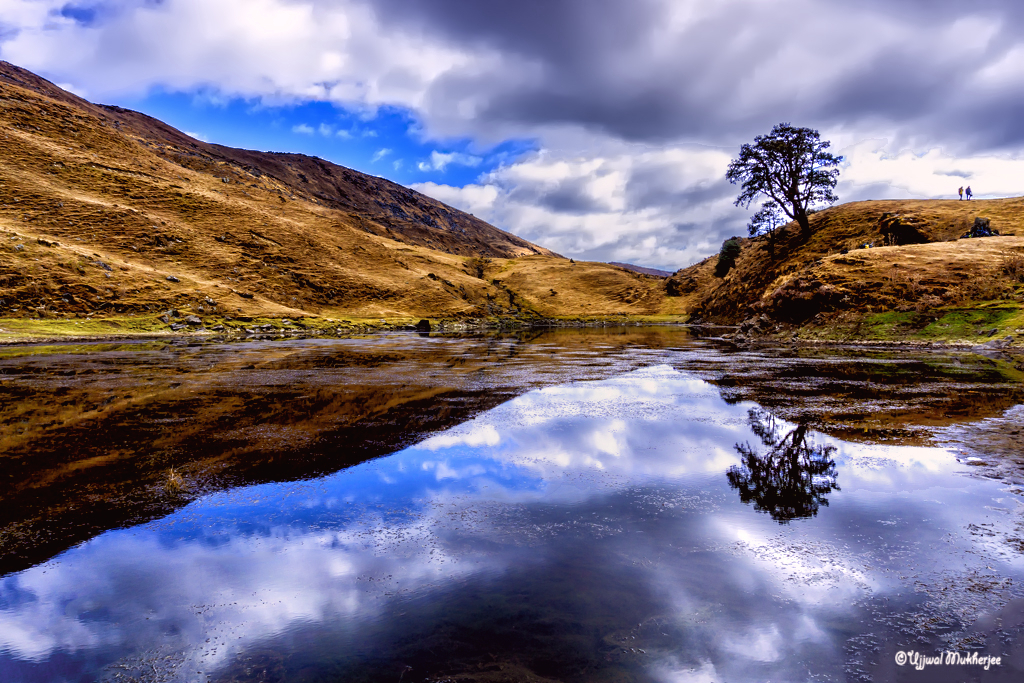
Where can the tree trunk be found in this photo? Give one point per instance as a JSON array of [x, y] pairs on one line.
[[805, 224]]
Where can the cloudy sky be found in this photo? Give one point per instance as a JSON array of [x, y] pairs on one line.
[[598, 128]]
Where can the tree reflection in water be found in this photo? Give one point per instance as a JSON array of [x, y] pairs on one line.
[[791, 478]]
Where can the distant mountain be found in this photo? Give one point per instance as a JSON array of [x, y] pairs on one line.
[[642, 270]]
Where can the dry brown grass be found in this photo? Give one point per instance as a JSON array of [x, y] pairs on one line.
[[1013, 265], [174, 482], [107, 204], [913, 277]]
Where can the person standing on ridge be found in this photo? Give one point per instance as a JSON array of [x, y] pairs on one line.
[[961, 192], [969, 193]]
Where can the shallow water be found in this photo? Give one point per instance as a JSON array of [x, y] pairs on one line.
[[622, 521]]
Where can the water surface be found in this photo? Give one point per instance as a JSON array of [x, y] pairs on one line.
[[598, 510]]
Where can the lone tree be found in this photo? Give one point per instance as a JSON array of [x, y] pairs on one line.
[[791, 167], [766, 221]]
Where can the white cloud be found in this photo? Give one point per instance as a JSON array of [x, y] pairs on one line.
[[439, 161], [325, 130], [663, 207], [380, 154], [303, 129], [872, 166]]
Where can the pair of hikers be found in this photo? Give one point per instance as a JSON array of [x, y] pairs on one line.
[[969, 193]]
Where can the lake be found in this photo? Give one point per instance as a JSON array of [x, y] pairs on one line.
[[620, 504]]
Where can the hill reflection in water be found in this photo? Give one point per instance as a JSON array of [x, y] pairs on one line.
[[580, 531]]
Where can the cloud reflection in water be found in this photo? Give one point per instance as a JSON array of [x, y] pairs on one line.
[[606, 501]]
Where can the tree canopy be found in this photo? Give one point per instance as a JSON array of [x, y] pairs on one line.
[[791, 167]]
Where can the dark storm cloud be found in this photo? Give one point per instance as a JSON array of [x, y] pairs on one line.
[[656, 185], [569, 196], [601, 65]]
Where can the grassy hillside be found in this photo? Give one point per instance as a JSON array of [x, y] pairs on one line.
[[108, 218], [842, 284]]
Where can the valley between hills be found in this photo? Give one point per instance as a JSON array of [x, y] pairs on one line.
[[114, 224]]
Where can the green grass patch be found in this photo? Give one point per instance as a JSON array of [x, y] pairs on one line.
[[891, 325], [14, 329], [968, 323], [961, 324]]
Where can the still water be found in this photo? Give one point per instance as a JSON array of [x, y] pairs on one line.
[[641, 521]]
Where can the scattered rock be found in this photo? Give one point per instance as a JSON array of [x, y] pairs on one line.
[[423, 326], [47, 243], [757, 325], [164, 318], [178, 326], [171, 278], [994, 345], [193, 320], [210, 301], [19, 247], [982, 228]]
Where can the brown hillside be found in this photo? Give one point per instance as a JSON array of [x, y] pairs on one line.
[[815, 278], [108, 212]]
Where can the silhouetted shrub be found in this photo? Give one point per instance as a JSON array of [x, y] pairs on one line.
[[727, 256]]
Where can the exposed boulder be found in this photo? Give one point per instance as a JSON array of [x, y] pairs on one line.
[[798, 300], [679, 284], [899, 229], [982, 228], [757, 325]]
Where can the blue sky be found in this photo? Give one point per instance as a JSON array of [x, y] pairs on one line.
[[600, 129], [388, 142]]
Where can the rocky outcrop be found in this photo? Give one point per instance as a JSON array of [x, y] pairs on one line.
[[899, 229]]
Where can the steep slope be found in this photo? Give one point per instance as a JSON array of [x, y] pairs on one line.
[[108, 212], [843, 273]]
